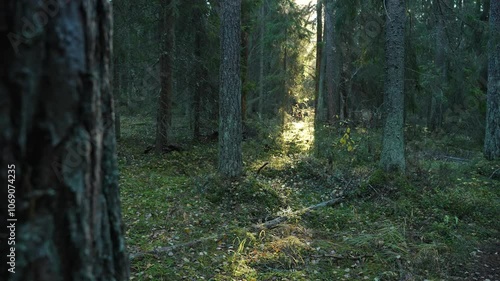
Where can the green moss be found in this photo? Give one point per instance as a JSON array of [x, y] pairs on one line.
[[425, 223]]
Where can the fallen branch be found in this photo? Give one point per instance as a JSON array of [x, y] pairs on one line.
[[266, 225], [454, 159], [281, 219]]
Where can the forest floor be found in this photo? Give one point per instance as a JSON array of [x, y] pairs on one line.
[[437, 222]]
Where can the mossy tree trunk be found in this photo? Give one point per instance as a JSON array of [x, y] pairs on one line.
[[492, 136], [393, 154], [57, 128], [230, 127]]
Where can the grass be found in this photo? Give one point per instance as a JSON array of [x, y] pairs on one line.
[[422, 225]]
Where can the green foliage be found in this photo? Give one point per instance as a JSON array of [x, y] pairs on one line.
[[346, 141]]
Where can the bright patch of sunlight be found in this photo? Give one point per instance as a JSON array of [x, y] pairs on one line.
[[299, 134], [303, 2]]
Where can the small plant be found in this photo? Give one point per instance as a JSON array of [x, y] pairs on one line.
[[347, 142]]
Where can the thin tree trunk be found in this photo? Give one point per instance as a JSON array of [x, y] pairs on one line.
[[261, 58], [58, 144], [492, 136], [393, 156], [164, 118], [284, 96], [437, 100], [201, 72], [319, 47], [321, 111], [201, 77], [333, 95], [230, 128]]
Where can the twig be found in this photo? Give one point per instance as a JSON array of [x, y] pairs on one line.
[[387, 12], [456, 159], [494, 172], [262, 167]]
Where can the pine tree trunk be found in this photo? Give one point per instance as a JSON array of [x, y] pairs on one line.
[[57, 128], [201, 72], [437, 100], [164, 118], [492, 136], [199, 89], [319, 47], [244, 73], [393, 156], [321, 111], [230, 128], [261, 59], [332, 62]]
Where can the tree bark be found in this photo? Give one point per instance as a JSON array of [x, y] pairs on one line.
[[262, 28], [200, 69], [492, 136], [438, 97], [333, 94], [230, 128], [164, 118], [321, 111], [57, 129], [393, 156], [116, 94], [319, 47], [244, 72]]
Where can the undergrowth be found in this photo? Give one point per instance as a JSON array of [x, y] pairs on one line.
[[421, 225]]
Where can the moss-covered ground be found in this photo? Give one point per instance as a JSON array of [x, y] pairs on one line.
[[436, 222]]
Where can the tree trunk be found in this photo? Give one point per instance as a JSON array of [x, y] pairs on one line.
[[164, 118], [492, 136], [319, 47], [333, 95], [244, 72], [486, 10], [230, 128], [261, 58], [284, 91], [393, 156], [58, 145], [199, 83], [320, 115], [437, 99], [200, 70]]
